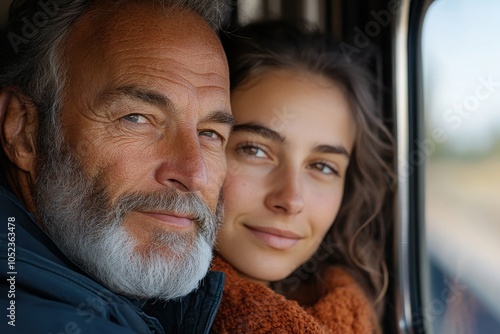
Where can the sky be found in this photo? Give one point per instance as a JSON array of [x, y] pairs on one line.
[[461, 51]]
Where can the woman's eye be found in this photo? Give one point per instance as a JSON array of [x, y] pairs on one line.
[[253, 151], [325, 168], [136, 118]]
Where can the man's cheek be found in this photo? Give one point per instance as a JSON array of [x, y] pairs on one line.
[[217, 169]]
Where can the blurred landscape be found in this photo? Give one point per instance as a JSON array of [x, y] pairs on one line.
[[462, 197]]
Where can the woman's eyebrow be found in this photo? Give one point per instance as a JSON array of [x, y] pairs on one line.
[[259, 130], [336, 149]]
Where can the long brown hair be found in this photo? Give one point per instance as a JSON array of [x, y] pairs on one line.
[[357, 236]]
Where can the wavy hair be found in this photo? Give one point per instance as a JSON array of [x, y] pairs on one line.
[[357, 236]]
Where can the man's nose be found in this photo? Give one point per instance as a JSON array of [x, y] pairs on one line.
[[286, 194], [183, 165]]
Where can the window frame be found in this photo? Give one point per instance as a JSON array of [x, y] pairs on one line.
[[412, 262]]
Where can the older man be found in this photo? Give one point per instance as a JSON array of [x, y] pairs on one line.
[[114, 116]]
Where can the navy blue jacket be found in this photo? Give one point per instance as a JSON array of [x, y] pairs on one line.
[[41, 291]]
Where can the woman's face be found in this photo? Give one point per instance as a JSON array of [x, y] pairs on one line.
[[287, 160]]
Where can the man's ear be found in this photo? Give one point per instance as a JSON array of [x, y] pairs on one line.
[[18, 125]]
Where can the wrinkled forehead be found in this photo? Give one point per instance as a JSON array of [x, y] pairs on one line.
[[138, 43], [108, 28]]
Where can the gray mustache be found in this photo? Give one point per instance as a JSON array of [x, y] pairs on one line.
[[171, 201]]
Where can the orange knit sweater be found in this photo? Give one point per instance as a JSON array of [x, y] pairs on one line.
[[249, 307]]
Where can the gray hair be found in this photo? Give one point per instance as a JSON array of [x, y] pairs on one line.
[[35, 30]]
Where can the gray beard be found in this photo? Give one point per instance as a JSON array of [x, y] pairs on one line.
[[88, 228]]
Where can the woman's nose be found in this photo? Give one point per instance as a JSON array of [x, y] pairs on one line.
[[286, 194]]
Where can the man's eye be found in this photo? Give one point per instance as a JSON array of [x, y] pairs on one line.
[[136, 118], [210, 134]]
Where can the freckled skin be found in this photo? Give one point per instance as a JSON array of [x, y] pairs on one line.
[[179, 57]]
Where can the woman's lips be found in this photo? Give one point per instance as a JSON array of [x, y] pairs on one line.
[[171, 219], [275, 238]]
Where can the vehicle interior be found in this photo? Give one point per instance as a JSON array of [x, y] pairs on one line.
[[440, 97], [435, 62]]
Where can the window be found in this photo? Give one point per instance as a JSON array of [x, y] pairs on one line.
[[461, 88]]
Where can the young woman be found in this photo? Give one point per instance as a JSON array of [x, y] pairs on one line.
[[308, 171]]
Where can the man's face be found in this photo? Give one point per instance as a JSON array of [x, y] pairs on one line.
[[145, 115]]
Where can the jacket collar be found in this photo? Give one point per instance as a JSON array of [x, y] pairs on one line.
[[193, 313]]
